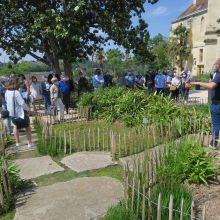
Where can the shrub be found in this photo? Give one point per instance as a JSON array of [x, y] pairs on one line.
[[187, 161], [131, 106]]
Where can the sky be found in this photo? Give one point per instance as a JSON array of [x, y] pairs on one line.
[[158, 16]]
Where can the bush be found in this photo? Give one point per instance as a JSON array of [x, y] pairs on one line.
[[187, 161], [131, 106]]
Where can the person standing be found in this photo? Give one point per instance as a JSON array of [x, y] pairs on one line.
[[18, 110], [214, 86], [160, 83], [98, 80], [45, 91], [55, 95], [64, 85], [35, 91], [174, 87], [186, 77], [25, 88], [130, 79]]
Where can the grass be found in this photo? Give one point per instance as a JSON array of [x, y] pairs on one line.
[[119, 212], [116, 127], [8, 216], [66, 175]]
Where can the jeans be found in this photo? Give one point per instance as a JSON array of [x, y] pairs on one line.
[[66, 101], [215, 114], [47, 102]]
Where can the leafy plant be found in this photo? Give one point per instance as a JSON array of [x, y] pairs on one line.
[[187, 161], [199, 168]]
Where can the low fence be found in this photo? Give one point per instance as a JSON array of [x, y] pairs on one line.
[[140, 179]]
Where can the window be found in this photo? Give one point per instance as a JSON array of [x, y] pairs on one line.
[[201, 55], [202, 25]]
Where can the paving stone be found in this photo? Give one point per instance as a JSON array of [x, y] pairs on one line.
[[79, 199], [83, 161], [38, 166]]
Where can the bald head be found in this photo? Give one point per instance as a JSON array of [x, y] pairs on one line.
[[217, 65]]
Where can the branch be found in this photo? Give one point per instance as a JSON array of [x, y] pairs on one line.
[[39, 58]]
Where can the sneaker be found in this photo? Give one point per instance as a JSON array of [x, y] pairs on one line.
[[17, 145], [30, 145]]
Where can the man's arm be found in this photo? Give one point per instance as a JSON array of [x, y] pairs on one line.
[[209, 85]]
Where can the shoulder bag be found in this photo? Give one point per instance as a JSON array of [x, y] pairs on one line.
[[20, 122]]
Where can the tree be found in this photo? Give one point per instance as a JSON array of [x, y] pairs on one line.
[[179, 45], [159, 47], [69, 30], [100, 58], [114, 59]]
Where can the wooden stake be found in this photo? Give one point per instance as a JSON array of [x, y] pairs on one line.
[[159, 207], [143, 202], [181, 209]]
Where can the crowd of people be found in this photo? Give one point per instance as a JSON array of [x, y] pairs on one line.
[[18, 94], [162, 82]]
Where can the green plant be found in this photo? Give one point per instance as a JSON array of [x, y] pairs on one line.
[[178, 192], [187, 161], [199, 168], [119, 212]]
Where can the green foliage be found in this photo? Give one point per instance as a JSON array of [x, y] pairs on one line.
[[178, 192], [159, 46], [119, 212], [187, 161], [69, 30], [22, 67], [131, 106], [202, 78], [179, 45]]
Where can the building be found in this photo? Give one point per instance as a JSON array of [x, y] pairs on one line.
[[202, 17]]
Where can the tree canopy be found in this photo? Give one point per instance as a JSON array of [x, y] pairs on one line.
[[70, 30]]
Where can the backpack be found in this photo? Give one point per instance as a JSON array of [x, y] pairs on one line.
[[64, 87]]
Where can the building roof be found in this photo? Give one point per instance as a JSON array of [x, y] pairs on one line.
[[200, 5]]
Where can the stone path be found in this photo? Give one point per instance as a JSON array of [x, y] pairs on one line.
[[79, 199], [83, 161], [38, 166]]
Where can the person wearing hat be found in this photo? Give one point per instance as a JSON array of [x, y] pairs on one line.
[[214, 86], [55, 95]]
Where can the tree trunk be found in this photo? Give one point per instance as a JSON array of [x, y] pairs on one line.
[[68, 68], [56, 66]]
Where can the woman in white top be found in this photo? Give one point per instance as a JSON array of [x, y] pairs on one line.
[[17, 109], [175, 87], [35, 90]]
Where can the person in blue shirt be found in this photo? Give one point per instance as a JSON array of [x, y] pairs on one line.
[[65, 88], [98, 79], [160, 83], [130, 79]]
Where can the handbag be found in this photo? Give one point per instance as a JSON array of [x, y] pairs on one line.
[[20, 122], [173, 88], [4, 114]]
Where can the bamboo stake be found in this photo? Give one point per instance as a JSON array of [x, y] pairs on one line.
[[98, 140], [204, 213], [89, 139], [132, 196], [143, 202], [103, 140], [119, 145], [64, 142], [84, 140], [70, 141], [181, 209], [138, 196], [149, 204], [159, 207], [193, 210]]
